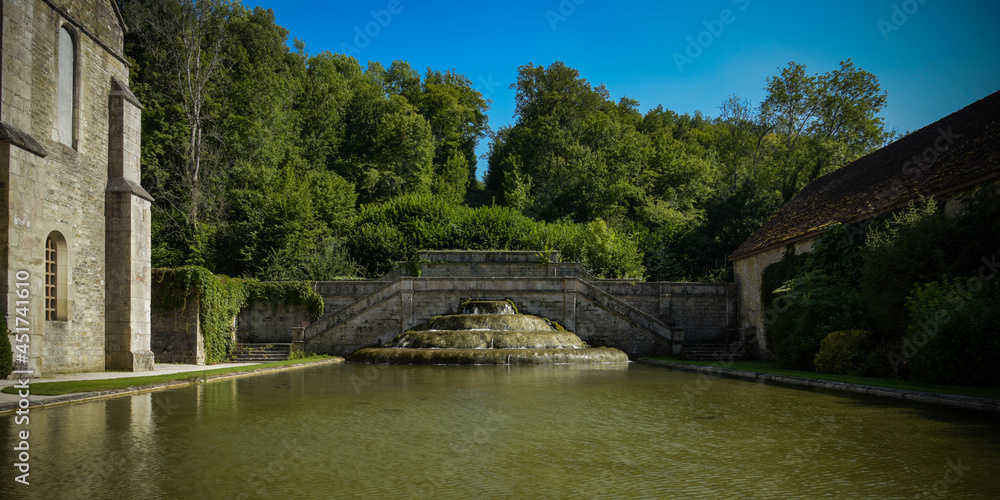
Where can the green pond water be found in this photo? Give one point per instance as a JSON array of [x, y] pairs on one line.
[[621, 431]]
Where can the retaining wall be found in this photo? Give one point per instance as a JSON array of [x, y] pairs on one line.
[[176, 333], [268, 322], [640, 318], [703, 312]]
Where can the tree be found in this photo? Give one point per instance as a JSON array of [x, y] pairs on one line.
[[821, 122], [387, 147], [739, 139], [179, 46], [580, 153], [457, 115]]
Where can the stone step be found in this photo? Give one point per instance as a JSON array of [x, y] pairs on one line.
[[709, 352], [249, 352]]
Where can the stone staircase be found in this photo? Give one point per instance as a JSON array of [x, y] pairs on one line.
[[711, 352], [247, 353]]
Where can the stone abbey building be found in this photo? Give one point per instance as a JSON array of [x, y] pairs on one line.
[[946, 160], [76, 230]]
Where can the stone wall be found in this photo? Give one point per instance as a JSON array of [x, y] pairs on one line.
[[640, 318], [749, 273], [176, 333], [705, 312], [339, 294], [270, 322], [55, 189], [488, 264], [619, 314]]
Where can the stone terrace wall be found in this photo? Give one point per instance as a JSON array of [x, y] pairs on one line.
[[176, 334], [339, 294], [640, 318], [269, 322], [705, 312], [378, 318]]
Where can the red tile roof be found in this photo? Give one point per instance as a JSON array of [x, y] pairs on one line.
[[957, 151]]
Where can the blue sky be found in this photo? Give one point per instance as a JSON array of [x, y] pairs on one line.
[[933, 57]]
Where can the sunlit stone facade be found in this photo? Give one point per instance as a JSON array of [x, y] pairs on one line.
[[77, 223]]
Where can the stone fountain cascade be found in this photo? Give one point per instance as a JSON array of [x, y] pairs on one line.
[[488, 333]]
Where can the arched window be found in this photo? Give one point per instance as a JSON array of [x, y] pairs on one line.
[[56, 277], [51, 278], [67, 87]]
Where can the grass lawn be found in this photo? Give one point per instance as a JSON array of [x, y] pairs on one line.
[[71, 386], [768, 367]]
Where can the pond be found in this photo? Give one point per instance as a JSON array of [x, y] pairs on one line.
[[620, 431]]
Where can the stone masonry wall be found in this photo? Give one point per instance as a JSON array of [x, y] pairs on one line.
[[749, 273], [339, 294], [176, 334], [270, 323], [705, 312], [419, 299], [59, 191]]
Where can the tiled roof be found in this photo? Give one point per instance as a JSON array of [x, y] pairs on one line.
[[957, 151]]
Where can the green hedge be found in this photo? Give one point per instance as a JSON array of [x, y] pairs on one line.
[[394, 231], [843, 352]]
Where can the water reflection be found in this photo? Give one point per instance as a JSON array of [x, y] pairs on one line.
[[502, 432]]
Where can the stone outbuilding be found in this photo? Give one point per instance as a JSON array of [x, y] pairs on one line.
[[953, 156], [76, 231]]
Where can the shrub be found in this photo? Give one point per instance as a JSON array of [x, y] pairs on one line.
[[327, 260], [795, 331], [843, 351], [822, 298], [493, 228], [919, 245], [908, 247], [377, 247], [6, 353], [877, 362], [954, 337], [394, 231]]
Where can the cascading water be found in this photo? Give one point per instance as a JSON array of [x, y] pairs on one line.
[[488, 333]]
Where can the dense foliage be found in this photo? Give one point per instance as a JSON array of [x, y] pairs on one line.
[[954, 337], [921, 281], [843, 352], [392, 231], [299, 293], [279, 164], [820, 299]]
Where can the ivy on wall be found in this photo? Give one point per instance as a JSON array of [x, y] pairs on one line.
[[285, 293], [222, 297], [220, 300]]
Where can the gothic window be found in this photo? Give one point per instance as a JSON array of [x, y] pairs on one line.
[[66, 87]]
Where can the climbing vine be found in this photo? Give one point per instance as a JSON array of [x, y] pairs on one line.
[[285, 293], [220, 299]]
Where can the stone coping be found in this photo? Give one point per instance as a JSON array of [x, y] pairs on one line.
[[955, 400], [8, 407]]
